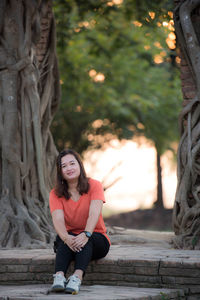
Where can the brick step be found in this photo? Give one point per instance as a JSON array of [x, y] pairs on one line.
[[97, 292], [125, 265]]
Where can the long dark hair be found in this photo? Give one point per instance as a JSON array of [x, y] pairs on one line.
[[61, 187]]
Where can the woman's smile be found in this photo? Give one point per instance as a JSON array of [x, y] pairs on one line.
[[69, 173]]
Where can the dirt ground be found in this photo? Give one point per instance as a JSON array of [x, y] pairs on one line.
[[149, 219], [147, 238], [150, 227]]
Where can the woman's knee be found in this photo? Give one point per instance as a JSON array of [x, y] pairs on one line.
[[101, 246]]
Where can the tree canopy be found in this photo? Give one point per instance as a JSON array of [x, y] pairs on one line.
[[119, 76]]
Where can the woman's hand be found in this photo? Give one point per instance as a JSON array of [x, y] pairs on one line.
[[69, 241], [79, 241]]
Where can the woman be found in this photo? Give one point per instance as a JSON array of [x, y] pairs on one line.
[[76, 205]]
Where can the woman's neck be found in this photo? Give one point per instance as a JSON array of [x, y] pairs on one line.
[[72, 186]]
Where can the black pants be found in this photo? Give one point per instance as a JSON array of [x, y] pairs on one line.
[[96, 247]]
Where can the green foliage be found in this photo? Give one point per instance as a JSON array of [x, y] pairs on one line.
[[129, 94], [195, 241], [164, 296]]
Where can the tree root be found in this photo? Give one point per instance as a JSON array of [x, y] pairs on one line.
[[21, 230], [29, 98], [186, 213]]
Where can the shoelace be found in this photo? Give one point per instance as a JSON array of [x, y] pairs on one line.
[[75, 279]]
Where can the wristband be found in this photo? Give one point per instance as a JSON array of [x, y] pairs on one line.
[[88, 234]]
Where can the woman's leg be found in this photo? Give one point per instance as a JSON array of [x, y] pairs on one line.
[[101, 245], [64, 256], [82, 259], [96, 247]]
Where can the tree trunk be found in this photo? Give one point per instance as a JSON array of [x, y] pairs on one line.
[[29, 96], [158, 204], [186, 212]]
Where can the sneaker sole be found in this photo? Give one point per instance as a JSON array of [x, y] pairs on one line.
[[71, 291], [57, 288]]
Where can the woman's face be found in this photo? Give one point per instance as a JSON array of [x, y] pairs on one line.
[[70, 168]]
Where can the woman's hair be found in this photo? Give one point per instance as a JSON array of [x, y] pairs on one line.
[[61, 187]]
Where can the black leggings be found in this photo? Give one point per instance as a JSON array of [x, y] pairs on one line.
[[96, 247]]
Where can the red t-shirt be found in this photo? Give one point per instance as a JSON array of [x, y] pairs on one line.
[[76, 213]]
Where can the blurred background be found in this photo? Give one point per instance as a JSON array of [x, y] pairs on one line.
[[121, 97]]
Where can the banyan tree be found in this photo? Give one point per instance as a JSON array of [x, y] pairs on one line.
[[29, 96], [186, 213]]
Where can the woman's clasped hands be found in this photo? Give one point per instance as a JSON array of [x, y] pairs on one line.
[[76, 243]]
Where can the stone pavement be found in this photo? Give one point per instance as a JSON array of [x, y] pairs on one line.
[[95, 292], [140, 265]]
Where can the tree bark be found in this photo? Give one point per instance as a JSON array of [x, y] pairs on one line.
[[29, 97], [186, 212], [158, 204]]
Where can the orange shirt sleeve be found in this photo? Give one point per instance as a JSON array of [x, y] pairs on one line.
[[96, 192], [55, 202]]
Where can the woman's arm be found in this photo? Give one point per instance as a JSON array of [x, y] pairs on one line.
[[93, 217], [59, 225], [94, 213]]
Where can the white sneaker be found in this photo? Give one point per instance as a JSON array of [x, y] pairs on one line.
[[59, 283], [73, 285]]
